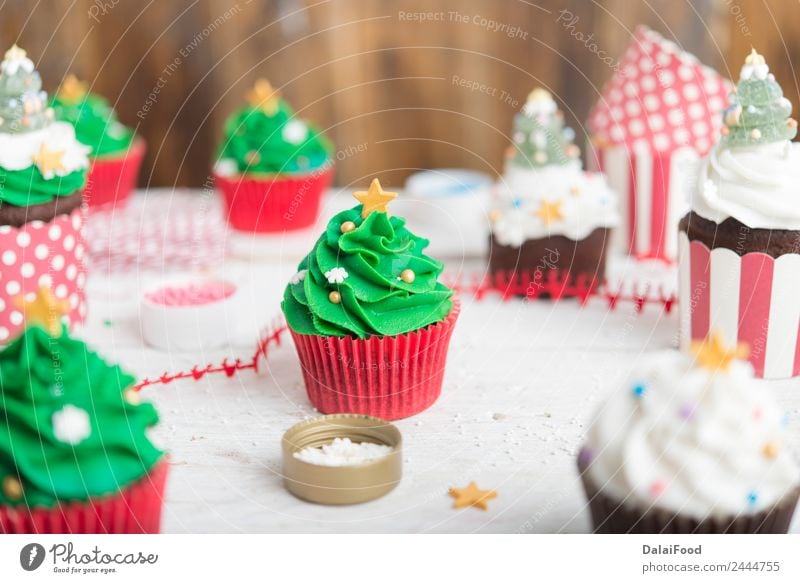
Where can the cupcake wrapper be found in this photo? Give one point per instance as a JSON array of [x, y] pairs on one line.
[[750, 299], [112, 180], [273, 204], [135, 510], [388, 377], [545, 283], [37, 254], [651, 201], [609, 516]]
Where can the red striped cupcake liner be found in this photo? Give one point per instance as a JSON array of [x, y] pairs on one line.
[[135, 510], [112, 179], [389, 377], [273, 203]]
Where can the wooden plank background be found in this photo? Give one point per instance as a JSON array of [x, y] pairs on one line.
[[384, 87]]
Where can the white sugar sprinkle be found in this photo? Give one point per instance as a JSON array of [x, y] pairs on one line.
[[343, 452]]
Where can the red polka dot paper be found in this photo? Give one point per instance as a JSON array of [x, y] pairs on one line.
[[37, 254], [662, 96]]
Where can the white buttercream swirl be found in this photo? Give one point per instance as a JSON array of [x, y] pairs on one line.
[[18, 151], [756, 185], [695, 443], [585, 201]]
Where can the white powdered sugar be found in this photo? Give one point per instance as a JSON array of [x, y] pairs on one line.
[[343, 452]]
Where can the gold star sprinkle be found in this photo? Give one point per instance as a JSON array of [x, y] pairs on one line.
[[549, 212], [771, 450], [754, 58], [712, 353], [375, 199], [49, 161], [472, 496], [72, 90], [15, 53], [264, 97], [45, 310]]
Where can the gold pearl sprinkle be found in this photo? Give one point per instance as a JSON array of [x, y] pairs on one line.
[[771, 450], [335, 297], [132, 396], [12, 489], [347, 226], [408, 276], [252, 157]]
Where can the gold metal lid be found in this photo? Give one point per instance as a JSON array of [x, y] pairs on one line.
[[342, 484]]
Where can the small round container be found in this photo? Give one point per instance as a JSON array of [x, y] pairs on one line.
[[188, 314], [342, 484]]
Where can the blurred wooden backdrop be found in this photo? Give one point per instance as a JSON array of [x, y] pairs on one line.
[[385, 87]]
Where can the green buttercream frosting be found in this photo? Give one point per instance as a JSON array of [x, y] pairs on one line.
[[758, 111], [375, 301], [260, 142], [66, 430], [95, 122], [28, 186]]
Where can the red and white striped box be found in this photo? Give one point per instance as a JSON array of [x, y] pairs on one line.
[[749, 298], [660, 112], [42, 253]]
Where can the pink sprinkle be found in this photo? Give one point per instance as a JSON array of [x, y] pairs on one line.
[[193, 294], [757, 413], [657, 488]]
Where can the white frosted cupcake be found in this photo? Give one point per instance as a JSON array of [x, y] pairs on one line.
[[692, 444]]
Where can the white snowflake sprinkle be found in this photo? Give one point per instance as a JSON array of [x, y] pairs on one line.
[[295, 132], [71, 425], [299, 276], [336, 275]]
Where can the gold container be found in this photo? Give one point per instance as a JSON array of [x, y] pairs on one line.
[[342, 484]]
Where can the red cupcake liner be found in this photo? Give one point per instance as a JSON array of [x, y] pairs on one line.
[[42, 253], [135, 510], [273, 203], [389, 377], [112, 179]]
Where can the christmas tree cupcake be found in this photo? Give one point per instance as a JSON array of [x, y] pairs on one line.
[[272, 167], [693, 444], [116, 152], [370, 320], [42, 173], [74, 454], [740, 243], [550, 218]]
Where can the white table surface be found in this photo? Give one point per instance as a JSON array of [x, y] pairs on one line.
[[522, 380]]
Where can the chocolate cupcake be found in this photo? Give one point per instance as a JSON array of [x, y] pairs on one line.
[[550, 219], [693, 444], [740, 243]]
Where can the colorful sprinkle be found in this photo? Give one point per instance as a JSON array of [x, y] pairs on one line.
[[752, 497], [585, 456], [758, 414], [516, 203], [639, 390], [687, 411], [657, 488], [771, 450]]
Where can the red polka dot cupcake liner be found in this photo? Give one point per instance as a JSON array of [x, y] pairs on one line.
[[112, 179], [273, 203], [42, 253], [389, 377], [135, 510]]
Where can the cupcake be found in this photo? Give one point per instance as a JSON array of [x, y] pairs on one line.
[[657, 116], [74, 454], [42, 174], [370, 320], [740, 243], [550, 219], [272, 167], [116, 152], [693, 444]]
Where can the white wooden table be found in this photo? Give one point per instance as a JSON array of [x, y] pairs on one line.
[[523, 379]]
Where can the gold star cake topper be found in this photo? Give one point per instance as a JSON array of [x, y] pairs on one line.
[[375, 199], [472, 496], [72, 90], [49, 161], [713, 354], [539, 94], [45, 310], [755, 58], [549, 212], [15, 53], [264, 97]]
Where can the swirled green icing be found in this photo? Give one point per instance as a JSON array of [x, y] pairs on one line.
[[95, 122], [28, 186], [261, 143], [41, 377], [374, 300]]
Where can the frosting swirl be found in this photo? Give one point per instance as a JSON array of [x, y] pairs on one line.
[[688, 440], [69, 432], [364, 264]]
